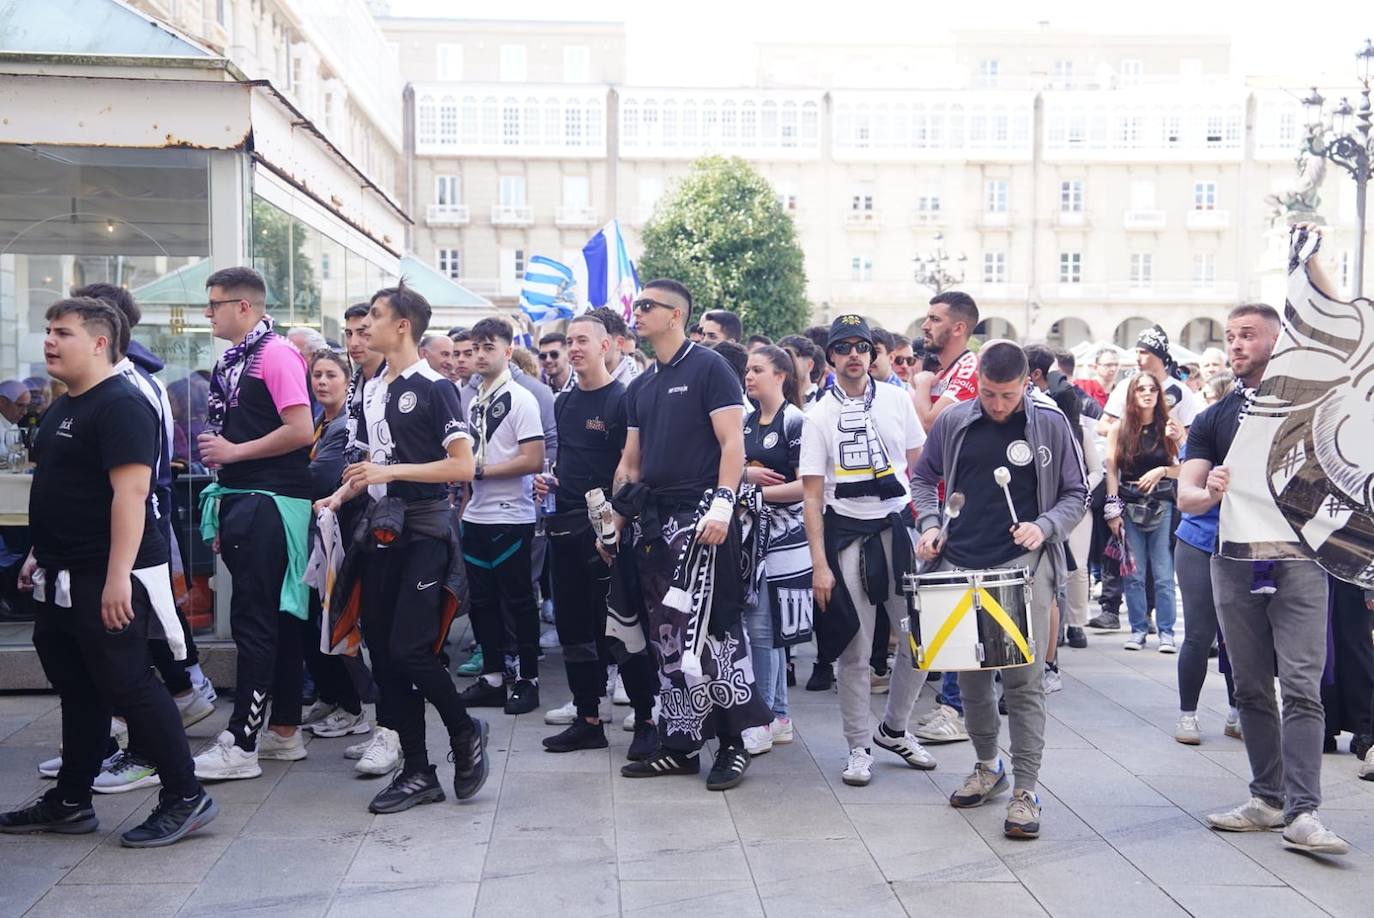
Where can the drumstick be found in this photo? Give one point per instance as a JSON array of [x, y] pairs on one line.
[[1003, 477], [953, 507]]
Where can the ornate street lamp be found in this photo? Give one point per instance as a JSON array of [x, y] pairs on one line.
[[1331, 138], [937, 269]]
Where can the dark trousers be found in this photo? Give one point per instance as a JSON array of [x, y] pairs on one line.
[[402, 616], [96, 672], [502, 593], [333, 683], [1347, 699], [253, 544]]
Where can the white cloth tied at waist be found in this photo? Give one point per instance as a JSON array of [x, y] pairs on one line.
[[156, 580]]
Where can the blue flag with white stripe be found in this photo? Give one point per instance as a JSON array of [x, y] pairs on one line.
[[549, 292], [611, 277]]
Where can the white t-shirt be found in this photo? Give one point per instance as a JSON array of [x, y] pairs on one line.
[[897, 428], [1182, 403], [512, 418]]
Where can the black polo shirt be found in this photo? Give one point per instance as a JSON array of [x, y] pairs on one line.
[[591, 437], [1214, 430], [671, 406], [411, 420]]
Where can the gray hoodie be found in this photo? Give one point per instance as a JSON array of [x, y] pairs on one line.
[[1061, 482]]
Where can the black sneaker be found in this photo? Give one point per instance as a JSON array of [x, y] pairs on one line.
[[791, 674], [482, 694], [580, 735], [171, 820], [468, 753], [49, 814], [728, 771], [524, 697], [645, 743], [408, 789], [1002, 706], [1078, 638], [822, 677], [662, 763], [1107, 621]]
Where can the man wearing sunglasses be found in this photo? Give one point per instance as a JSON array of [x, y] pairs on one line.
[[553, 361], [684, 449]]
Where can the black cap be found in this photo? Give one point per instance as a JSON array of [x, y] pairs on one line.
[[849, 325]]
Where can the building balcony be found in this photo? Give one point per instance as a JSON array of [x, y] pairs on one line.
[[1209, 219], [1174, 291], [1070, 219], [1143, 219], [994, 219], [571, 217], [447, 215], [994, 291], [511, 215], [861, 219], [929, 218], [1074, 291]]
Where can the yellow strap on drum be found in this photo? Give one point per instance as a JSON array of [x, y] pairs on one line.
[[926, 659]]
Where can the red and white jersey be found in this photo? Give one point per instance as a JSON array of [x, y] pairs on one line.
[[959, 380]]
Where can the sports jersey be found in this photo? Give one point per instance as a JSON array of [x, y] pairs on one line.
[[412, 419], [505, 421]]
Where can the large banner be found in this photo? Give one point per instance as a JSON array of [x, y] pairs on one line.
[[1302, 464]]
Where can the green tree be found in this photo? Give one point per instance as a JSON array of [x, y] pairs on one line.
[[722, 233]]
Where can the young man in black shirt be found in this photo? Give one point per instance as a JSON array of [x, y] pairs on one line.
[[1006, 426], [410, 577], [684, 442], [1280, 630], [591, 437], [94, 569]]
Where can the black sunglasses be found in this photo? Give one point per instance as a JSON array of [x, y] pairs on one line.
[[644, 304], [904, 361], [550, 355], [844, 347]]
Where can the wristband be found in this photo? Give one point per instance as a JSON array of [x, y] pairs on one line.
[[719, 512], [725, 494], [477, 474], [1113, 507]]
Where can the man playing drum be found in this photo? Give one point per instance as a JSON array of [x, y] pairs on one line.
[[857, 442], [1009, 449]]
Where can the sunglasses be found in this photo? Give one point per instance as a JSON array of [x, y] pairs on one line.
[[844, 347], [644, 304], [904, 361], [550, 355]]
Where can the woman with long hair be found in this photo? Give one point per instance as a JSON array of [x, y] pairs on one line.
[[772, 448], [1142, 469]]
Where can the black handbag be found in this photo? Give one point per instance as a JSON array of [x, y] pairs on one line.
[[1147, 510]]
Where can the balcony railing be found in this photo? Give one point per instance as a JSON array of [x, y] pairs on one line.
[[929, 218], [861, 219], [447, 215], [1144, 219], [511, 215], [1209, 219], [994, 218], [574, 216], [1070, 218]]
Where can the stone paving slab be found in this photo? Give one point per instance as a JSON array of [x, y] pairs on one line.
[[566, 835]]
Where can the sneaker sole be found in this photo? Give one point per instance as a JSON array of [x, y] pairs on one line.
[[50, 775], [916, 764], [185, 723], [1189, 740], [375, 770], [684, 772], [84, 827], [191, 825], [1245, 828], [291, 756], [1015, 831], [433, 795], [939, 740], [1234, 734], [485, 730], [148, 781], [1316, 849], [355, 730], [233, 774], [733, 782], [1168, 650], [559, 721], [996, 789], [604, 744], [856, 782]]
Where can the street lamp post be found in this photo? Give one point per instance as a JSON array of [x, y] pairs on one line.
[[939, 270], [1330, 137]]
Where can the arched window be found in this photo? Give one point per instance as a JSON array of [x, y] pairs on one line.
[[448, 120], [467, 130], [729, 124], [649, 114], [629, 122], [768, 125], [710, 136], [531, 124], [426, 119], [592, 136], [553, 123], [510, 122], [669, 123], [572, 124], [691, 128], [490, 121], [789, 127], [810, 124], [748, 124]]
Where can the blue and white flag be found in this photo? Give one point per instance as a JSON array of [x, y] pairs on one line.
[[549, 292], [611, 277]]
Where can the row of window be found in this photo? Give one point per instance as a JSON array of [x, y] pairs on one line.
[[1140, 274], [651, 123], [577, 63], [1103, 127], [1064, 72], [901, 126], [563, 123]]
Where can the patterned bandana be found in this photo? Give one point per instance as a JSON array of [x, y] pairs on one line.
[[224, 382]]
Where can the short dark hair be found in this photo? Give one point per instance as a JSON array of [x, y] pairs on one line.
[[694, 328], [1263, 310], [356, 311], [238, 278], [666, 283], [759, 339], [960, 304], [98, 318], [409, 304], [454, 331], [1002, 362], [1066, 361], [614, 321], [492, 329], [1038, 357], [553, 338], [882, 338], [729, 323], [459, 335], [118, 297], [805, 347], [900, 341], [735, 355], [819, 335]]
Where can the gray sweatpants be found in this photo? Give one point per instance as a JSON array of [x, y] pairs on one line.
[[1023, 686], [1289, 627], [852, 675]]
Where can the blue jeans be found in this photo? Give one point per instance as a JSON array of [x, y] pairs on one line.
[[1151, 550], [949, 692], [770, 663]]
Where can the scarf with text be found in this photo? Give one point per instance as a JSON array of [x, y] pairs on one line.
[[862, 468]]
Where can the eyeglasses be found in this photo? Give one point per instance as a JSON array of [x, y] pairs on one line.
[[215, 304], [644, 304], [904, 361], [844, 347], [550, 355]]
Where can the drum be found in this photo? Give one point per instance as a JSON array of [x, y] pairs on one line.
[[970, 620]]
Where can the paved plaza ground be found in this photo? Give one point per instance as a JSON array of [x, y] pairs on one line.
[[565, 835]]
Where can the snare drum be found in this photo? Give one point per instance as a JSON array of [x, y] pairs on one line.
[[970, 620]]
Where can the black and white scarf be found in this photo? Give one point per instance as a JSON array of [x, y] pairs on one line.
[[862, 468], [693, 590], [479, 411], [353, 404], [224, 381], [776, 557]]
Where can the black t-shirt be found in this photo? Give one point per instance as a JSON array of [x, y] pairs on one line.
[[1215, 428], [980, 537], [777, 444], [671, 406], [411, 420], [591, 437], [272, 381], [79, 440]]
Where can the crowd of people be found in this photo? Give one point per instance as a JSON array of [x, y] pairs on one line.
[[684, 506]]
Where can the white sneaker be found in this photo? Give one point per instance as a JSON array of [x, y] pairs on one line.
[[549, 640], [1053, 681], [125, 772], [1367, 769], [276, 748], [225, 761], [858, 771], [382, 757], [905, 746], [546, 611], [340, 723], [619, 696], [193, 708], [1167, 644], [206, 689], [945, 726], [51, 767], [758, 740], [879, 684], [1254, 815], [317, 712], [1232, 728], [1306, 833], [358, 750], [782, 730], [561, 717], [1189, 731]]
